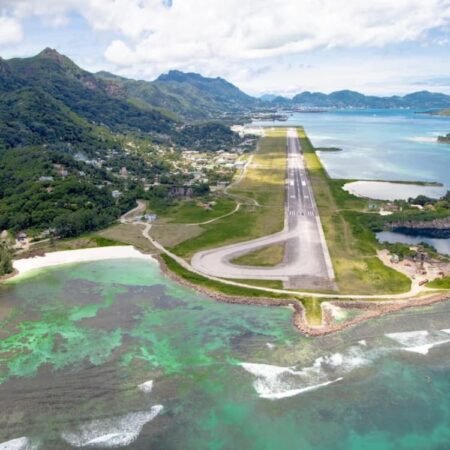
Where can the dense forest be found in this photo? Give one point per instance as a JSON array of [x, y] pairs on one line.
[[34, 196]]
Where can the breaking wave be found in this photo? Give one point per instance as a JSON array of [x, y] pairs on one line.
[[146, 387], [111, 432], [22, 443], [420, 341], [275, 382]]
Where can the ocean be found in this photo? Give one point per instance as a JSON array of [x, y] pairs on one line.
[[113, 354]]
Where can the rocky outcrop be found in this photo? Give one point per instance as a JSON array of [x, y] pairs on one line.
[[438, 228]]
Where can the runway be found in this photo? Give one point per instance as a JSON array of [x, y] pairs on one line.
[[307, 263]]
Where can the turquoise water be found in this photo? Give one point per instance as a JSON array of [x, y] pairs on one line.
[[113, 354], [380, 144]]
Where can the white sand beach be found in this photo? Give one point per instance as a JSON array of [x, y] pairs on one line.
[[26, 265]]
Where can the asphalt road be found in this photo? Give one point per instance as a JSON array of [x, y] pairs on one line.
[[307, 263]]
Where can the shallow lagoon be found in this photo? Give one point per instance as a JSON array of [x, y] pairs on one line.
[[112, 353], [394, 145], [380, 190]]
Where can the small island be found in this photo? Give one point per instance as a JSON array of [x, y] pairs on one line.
[[329, 149], [444, 139]]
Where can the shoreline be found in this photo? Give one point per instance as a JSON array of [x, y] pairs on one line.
[[371, 309], [59, 258], [374, 309]]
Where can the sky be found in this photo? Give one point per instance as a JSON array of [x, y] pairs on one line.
[[379, 47]]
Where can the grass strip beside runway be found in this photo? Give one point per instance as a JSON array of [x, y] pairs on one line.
[[352, 246]]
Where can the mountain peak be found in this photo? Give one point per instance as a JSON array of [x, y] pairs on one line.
[[50, 53], [54, 55], [177, 75]]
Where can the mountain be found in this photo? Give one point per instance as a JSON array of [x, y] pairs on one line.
[[66, 135], [352, 99], [189, 96], [93, 99]]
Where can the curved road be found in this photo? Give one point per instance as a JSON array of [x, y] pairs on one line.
[[307, 262]]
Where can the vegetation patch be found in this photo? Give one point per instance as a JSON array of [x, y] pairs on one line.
[[127, 234], [313, 310], [441, 283], [172, 234], [269, 256], [199, 210]]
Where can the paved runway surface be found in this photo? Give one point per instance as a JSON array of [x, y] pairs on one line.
[[307, 263]]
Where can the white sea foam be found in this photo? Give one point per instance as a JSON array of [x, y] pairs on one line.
[[420, 341], [146, 387], [337, 312], [425, 348], [446, 330], [111, 432], [410, 338], [294, 392], [22, 443], [276, 382]]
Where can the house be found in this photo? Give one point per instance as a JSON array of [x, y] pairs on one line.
[[395, 259], [4, 237], [45, 178], [116, 194]]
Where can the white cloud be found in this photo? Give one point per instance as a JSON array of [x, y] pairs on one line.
[[237, 37], [10, 31], [119, 53]]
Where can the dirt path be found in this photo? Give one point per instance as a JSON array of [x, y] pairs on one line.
[[235, 210]]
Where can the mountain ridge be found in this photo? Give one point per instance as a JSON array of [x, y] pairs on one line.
[[348, 98]]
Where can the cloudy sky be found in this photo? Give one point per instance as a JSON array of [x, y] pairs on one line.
[[263, 46]]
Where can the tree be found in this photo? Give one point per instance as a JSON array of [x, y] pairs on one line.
[[5, 260]]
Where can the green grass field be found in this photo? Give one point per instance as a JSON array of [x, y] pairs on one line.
[[264, 257], [352, 246], [442, 283], [313, 310], [193, 211], [263, 183]]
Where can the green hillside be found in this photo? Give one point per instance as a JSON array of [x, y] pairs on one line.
[[76, 149], [188, 95]]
